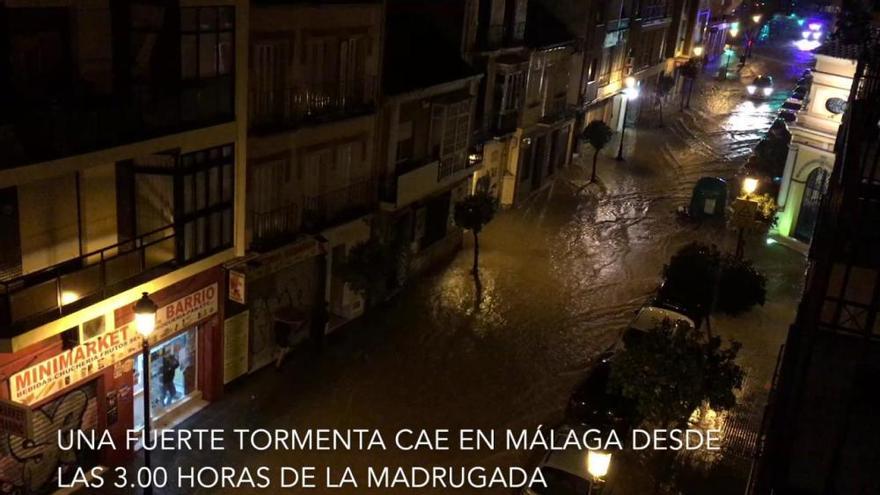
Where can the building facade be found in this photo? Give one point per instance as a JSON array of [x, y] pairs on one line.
[[124, 175], [426, 125], [311, 183], [819, 434], [811, 151]]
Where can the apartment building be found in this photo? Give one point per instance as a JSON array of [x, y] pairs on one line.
[[122, 173], [311, 178], [523, 99], [425, 138]]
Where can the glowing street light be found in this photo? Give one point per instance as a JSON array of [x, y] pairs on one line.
[[630, 92], [698, 51], [756, 18], [749, 185], [598, 463], [145, 322]]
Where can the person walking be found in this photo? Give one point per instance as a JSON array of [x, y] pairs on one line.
[[169, 369]]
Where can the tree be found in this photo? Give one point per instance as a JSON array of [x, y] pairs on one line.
[[473, 213], [367, 267], [665, 83], [598, 134], [741, 286], [700, 278], [670, 371], [689, 278]]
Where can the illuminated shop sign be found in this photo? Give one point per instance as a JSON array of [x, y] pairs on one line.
[[40, 381]]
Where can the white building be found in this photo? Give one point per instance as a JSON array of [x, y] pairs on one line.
[[811, 151]]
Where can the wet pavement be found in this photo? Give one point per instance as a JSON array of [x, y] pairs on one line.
[[561, 275]]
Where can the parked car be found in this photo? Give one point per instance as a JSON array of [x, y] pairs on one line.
[[761, 87], [564, 471], [800, 93]]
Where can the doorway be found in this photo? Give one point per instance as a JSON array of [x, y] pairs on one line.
[[817, 184], [172, 376]]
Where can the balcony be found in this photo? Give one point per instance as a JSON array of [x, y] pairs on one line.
[[33, 132], [274, 227], [308, 103], [37, 298], [339, 205], [417, 180]]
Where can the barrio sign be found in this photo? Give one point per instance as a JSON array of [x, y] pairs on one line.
[[184, 312], [41, 380]]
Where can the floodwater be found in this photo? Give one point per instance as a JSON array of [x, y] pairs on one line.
[[560, 277]]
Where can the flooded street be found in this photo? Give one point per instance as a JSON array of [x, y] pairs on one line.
[[561, 276]]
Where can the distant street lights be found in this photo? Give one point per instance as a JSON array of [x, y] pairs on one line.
[[630, 93], [145, 322]]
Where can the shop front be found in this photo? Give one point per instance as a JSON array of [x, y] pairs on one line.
[[82, 380]]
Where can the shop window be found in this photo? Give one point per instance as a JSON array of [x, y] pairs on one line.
[[172, 366]]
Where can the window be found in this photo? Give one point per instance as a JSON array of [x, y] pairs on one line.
[[268, 78], [207, 61], [512, 89], [450, 126], [207, 189]]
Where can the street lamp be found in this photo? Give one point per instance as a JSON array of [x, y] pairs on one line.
[[749, 185], [145, 322], [598, 463], [630, 92], [756, 18], [698, 51]]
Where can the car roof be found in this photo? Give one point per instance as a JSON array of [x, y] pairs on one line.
[[763, 79], [650, 317]]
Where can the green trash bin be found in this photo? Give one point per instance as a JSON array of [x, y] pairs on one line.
[[709, 198]]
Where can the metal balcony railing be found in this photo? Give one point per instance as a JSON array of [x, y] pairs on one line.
[[274, 225], [339, 205], [39, 297], [311, 101]]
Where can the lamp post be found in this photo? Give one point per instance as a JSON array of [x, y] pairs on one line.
[[630, 92], [145, 322], [744, 213], [598, 463], [698, 54]]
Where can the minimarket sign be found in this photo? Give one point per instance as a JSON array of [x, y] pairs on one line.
[[42, 380]]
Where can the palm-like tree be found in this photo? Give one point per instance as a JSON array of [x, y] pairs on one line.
[[598, 134]]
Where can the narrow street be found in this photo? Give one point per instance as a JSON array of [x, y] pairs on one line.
[[561, 276]]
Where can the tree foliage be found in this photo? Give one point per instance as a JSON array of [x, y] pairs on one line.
[[598, 134], [741, 286], [671, 370], [691, 276], [475, 211], [367, 268]]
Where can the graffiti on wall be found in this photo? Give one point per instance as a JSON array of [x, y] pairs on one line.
[[294, 288], [30, 467]]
